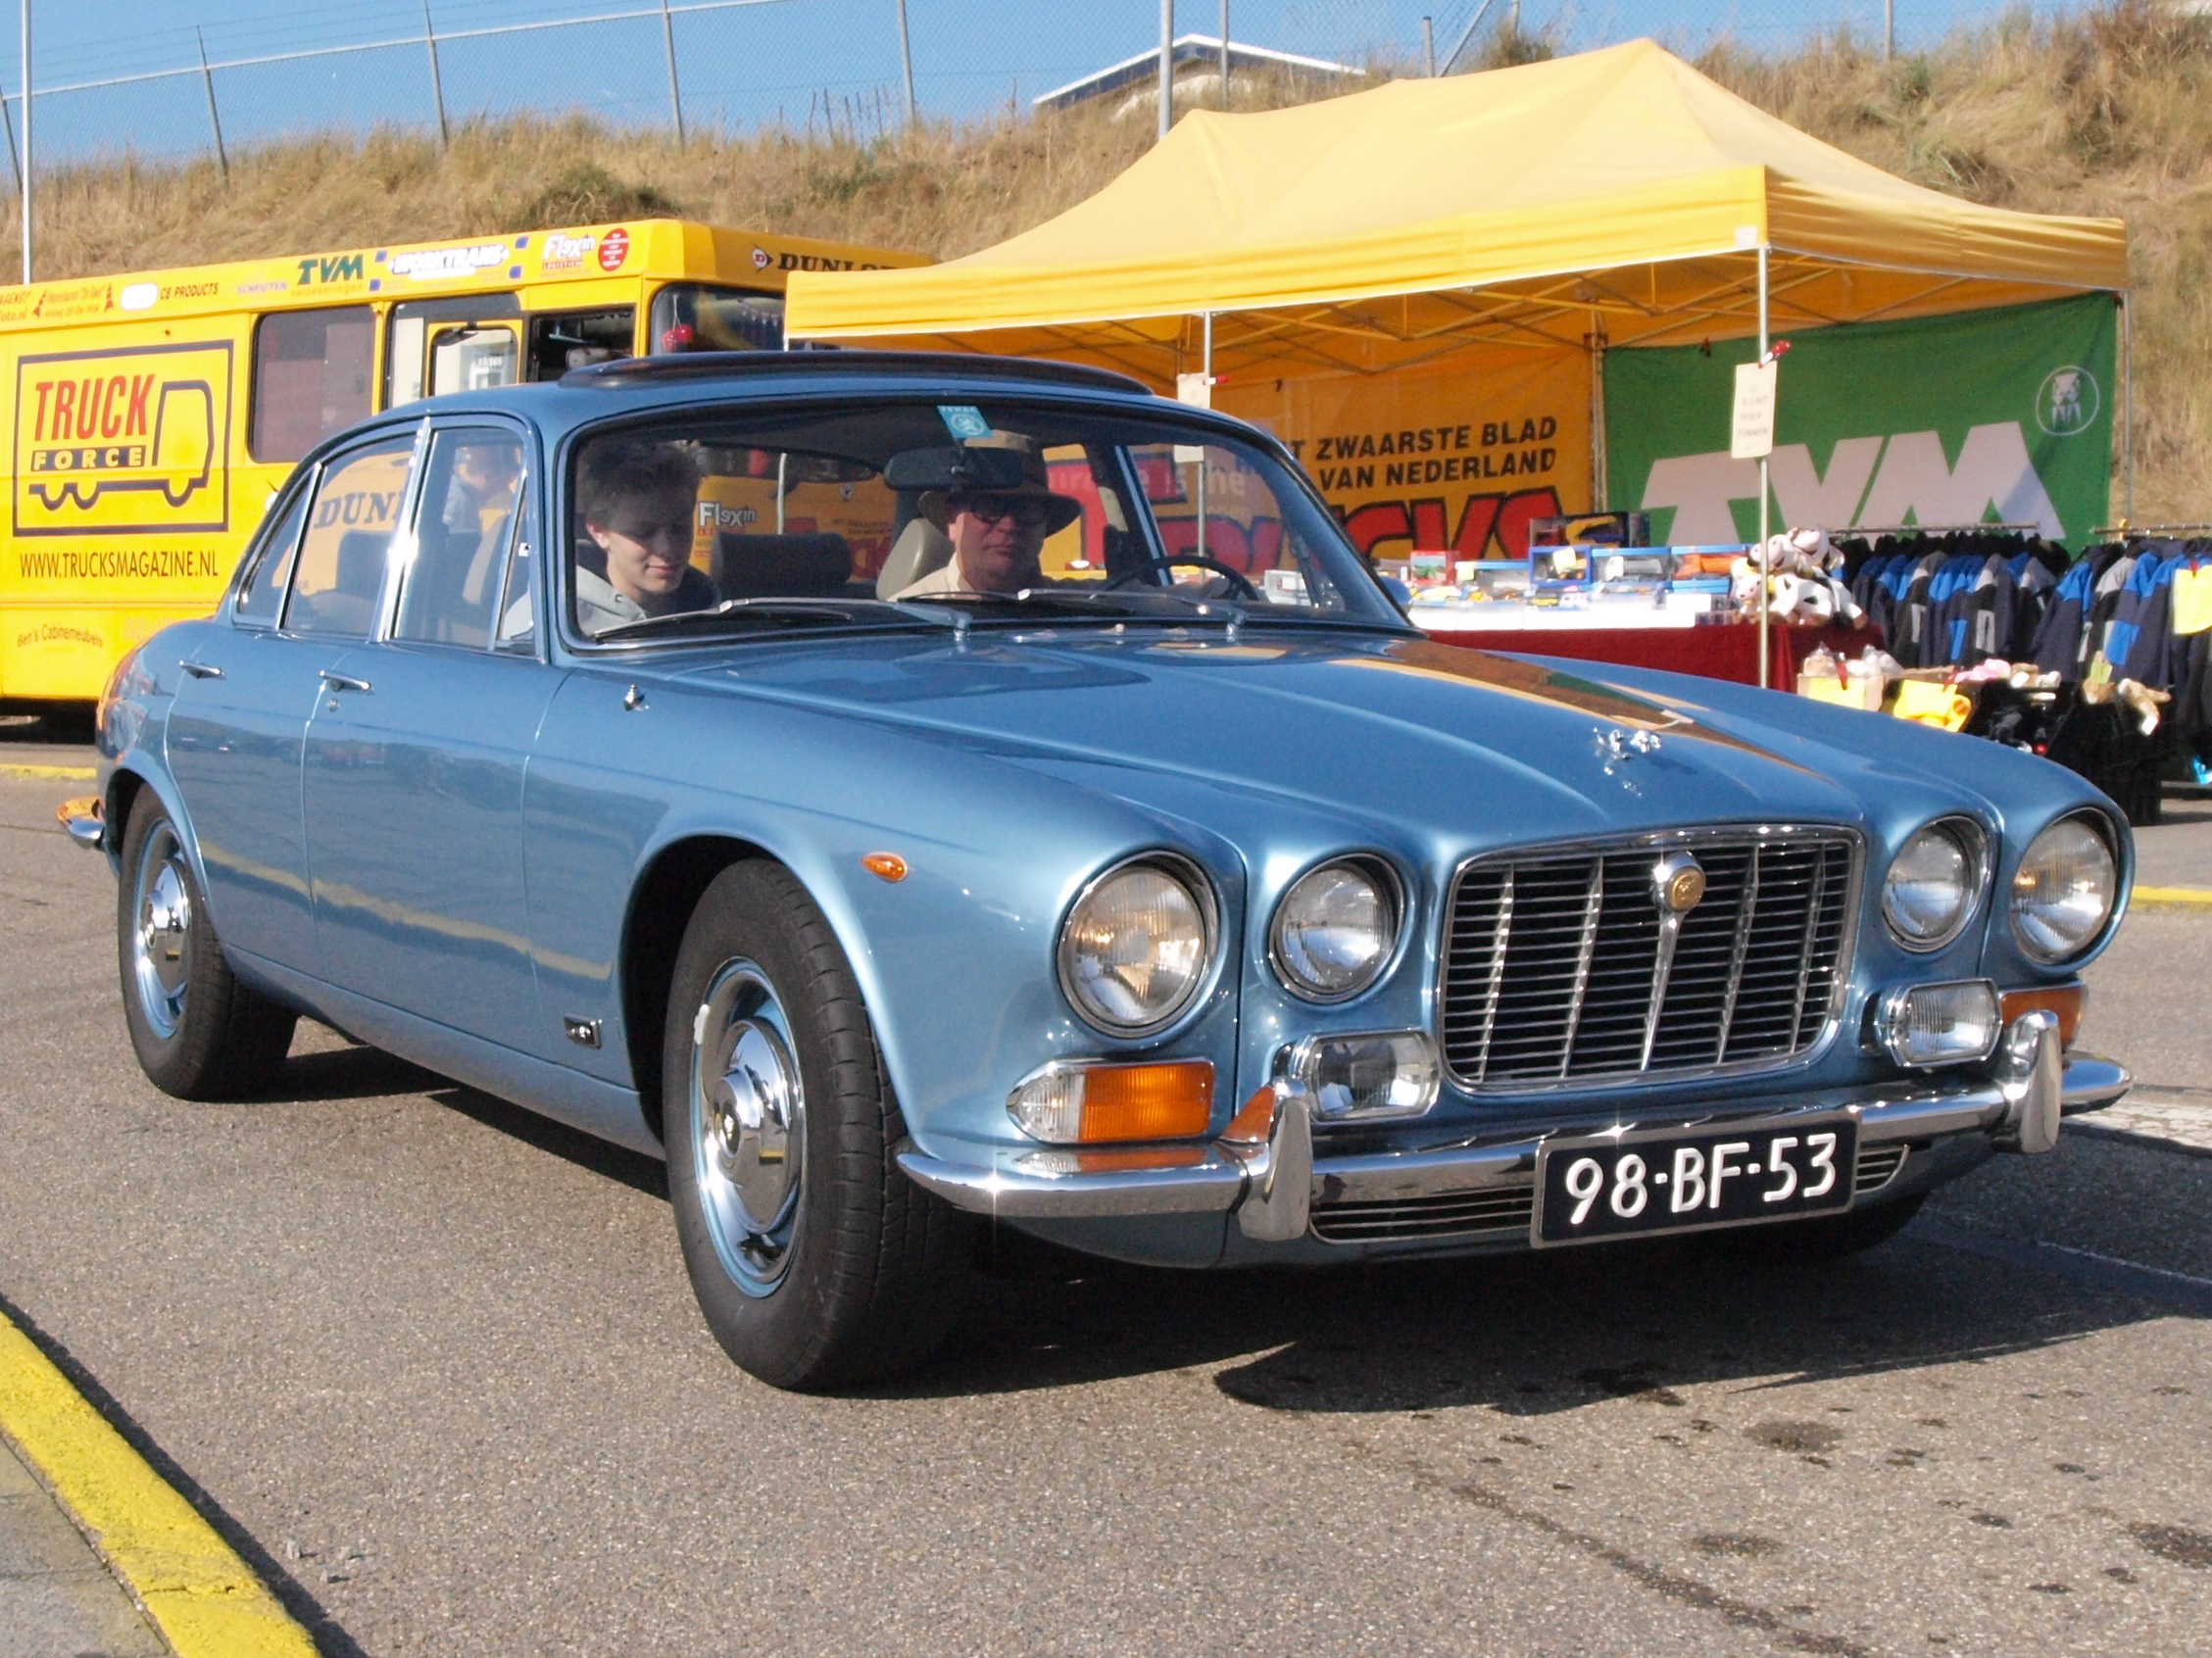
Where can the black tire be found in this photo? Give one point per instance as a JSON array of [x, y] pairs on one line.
[[856, 1276], [1823, 1238], [198, 1032]]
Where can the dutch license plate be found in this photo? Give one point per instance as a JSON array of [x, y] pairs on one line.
[[1666, 1180]]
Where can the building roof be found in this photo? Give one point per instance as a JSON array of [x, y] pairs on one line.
[[1204, 49]]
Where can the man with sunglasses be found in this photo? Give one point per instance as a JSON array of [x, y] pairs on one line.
[[996, 534]]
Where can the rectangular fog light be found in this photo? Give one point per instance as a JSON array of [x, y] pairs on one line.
[[1374, 1074], [1947, 1024]]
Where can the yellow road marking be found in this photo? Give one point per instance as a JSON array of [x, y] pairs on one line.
[[204, 1601], [2173, 895], [10, 769]]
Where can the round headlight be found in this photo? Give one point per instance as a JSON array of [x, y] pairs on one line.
[[2064, 890], [1335, 929], [1134, 950], [1931, 884]]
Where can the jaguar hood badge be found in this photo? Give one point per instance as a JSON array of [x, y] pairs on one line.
[[1618, 745]]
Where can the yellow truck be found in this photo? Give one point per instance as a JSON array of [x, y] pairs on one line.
[[153, 414]]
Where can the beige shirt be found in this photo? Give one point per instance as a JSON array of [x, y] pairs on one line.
[[944, 578]]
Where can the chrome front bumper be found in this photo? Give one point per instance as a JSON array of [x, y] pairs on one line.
[[2016, 1101]]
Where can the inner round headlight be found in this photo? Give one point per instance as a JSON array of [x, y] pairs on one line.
[[1931, 887], [1133, 950], [1335, 929], [2064, 892]]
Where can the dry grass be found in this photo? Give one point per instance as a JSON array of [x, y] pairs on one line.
[[2105, 113]]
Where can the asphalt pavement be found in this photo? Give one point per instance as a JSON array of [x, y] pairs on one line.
[[430, 1364]]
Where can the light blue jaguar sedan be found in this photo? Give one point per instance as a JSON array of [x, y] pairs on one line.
[[917, 794]]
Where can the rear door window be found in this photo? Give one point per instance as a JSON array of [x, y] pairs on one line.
[[311, 377], [340, 570], [260, 596], [463, 531]]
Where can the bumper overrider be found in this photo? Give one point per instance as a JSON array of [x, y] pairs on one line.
[[1265, 1169]]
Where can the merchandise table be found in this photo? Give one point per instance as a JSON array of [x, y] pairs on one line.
[[1717, 652]]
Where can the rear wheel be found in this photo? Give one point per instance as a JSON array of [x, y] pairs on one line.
[[198, 1032], [1823, 1238], [815, 1261]]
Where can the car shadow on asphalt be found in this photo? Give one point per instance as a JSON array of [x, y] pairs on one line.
[[333, 1067], [1533, 1335], [1527, 1335]]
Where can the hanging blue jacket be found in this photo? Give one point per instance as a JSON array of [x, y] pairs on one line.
[[2135, 643], [2057, 644]]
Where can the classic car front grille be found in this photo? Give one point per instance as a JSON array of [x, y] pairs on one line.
[[1878, 1165], [1558, 969], [1445, 1215]]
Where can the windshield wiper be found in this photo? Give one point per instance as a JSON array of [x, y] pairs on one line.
[[778, 612]]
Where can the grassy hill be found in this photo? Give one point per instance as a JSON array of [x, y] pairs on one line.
[[2106, 114]]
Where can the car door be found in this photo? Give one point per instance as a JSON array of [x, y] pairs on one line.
[[414, 762], [240, 718]]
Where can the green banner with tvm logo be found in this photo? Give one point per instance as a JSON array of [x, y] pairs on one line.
[[2000, 415]]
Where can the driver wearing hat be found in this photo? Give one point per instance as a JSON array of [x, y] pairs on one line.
[[997, 533]]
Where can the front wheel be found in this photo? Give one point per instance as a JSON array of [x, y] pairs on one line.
[[198, 1032], [815, 1261]]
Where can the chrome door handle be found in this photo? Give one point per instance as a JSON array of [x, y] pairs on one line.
[[343, 681], [201, 670]]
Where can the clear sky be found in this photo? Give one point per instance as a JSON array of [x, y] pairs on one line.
[[787, 57]]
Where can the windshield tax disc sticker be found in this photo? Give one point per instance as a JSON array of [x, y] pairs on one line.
[[964, 421]]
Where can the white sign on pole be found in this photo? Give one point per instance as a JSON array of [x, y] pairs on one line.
[[1751, 430]]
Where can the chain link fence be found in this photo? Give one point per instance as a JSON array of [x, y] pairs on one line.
[[803, 65]]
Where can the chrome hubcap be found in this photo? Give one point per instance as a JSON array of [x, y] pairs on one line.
[[161, 946], [748, 1125]]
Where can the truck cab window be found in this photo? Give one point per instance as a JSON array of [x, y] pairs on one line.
[[575, 339], [311, 377], [692, 316]]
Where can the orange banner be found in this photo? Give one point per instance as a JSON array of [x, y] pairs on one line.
[[1455, 459]]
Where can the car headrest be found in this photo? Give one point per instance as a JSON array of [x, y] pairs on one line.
[[920, 550], [781, 567]]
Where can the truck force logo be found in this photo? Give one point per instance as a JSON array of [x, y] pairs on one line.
[[132, 439]]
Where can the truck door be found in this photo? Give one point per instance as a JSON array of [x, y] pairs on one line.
[[469, 343]]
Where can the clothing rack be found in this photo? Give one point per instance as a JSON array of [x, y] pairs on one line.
[[2125, 531], [1935, 529]]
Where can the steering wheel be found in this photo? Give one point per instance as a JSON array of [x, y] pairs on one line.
[[1241, 587]]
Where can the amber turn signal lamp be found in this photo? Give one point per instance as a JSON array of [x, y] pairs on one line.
[[888, 866], [1254, 1119], [1087, 1105], [2065, 1001]]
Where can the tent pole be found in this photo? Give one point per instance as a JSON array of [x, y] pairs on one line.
[[1598, 498], [1766, 559], [2127, 409], [1166, 65], [1205, 372]]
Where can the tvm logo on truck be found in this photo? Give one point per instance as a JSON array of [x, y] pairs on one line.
[[134, 439]]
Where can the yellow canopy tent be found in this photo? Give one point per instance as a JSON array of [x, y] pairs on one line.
[[1617, 194], [1436, 270]]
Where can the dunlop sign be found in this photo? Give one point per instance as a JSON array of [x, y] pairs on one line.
[[131, 440]]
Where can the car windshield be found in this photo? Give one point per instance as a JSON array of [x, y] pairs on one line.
[[921, 514]]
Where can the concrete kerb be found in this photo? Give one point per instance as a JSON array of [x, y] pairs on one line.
[[203, 1598]]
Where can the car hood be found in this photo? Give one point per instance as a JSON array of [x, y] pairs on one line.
[[1391, 727]]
